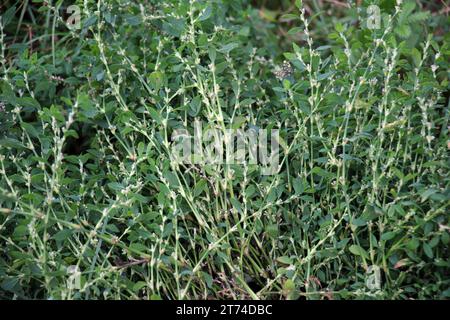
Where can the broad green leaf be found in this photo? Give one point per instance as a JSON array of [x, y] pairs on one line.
[[358, 251]]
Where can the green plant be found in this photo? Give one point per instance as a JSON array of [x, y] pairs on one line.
[[87, 179]]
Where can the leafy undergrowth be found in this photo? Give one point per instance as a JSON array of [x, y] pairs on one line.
[[87, 180]]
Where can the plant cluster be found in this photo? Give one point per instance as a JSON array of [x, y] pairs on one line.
[[87, 181]]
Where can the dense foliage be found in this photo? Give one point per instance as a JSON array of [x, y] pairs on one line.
[[86, 177]]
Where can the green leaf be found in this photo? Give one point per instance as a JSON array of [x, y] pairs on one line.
[[428, 251], [155, 115], [388, 235], [86, 105], [358, 251], [200, 187], [11, 143], [138, 248], [359, 222], [31, 130], [295, 30], [413, 244], [272, 230], [339, 27], [139, 285], [62, 235], [228, 47], [416, 56], [289, 285], [28, 102], [8, 284], [408, 7], [115, 186], [404, 31], [208, 279], [133, 20], [321, 172], [427, 193], [325, 75], [284, 260], [419, 16], [206, 14], [212, 53], [8, 15], [238, 122], [236, 204], [289, 16], [20, 231], [156, 80], [298, 186]]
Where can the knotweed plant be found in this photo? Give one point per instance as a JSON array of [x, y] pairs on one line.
[[93, 204]]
